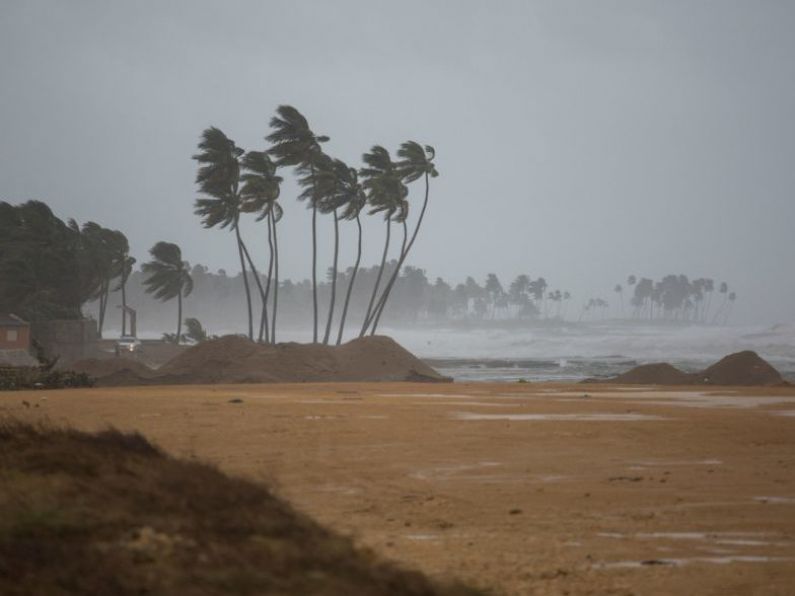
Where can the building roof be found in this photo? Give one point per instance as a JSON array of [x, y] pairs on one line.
[[11, 320]]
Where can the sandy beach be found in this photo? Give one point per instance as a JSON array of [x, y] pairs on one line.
[[520, 488]]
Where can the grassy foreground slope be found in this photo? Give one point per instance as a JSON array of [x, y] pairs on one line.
[[109, 513]]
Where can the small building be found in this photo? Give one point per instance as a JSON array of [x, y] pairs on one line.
[[14, 333], [15, 342]]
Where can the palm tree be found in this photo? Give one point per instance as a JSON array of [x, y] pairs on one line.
[[327, 190], [620, 291], [218, 177], [169, 277], [127, 266], [354, 199], [105, 250], [295, 144], [417, 162], [260, 188], [386, 194]]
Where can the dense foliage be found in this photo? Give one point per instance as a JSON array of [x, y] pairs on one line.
[[49, 268]]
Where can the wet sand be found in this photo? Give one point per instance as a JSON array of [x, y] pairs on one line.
[[525, 489]]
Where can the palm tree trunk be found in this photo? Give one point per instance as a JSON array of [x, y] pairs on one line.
[[245, 282], [123, 305], [366, 322], [263, 322], [350, 284], [275, 280], [103, 304], [404, 252], [179, 316], [258, 281], [333, 299], [314, 274], [388, 288]]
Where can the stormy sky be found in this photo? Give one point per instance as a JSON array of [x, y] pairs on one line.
[[579, 141]]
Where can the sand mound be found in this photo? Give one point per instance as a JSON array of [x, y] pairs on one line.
[[660, 373], [110, 513], [741, 368], [234, 359], [110, 372]]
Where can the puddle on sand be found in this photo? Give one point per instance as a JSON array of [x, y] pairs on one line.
[[422, 536], [463, 403], [776, 500], [453, 395], [691, 560], [445, 472], [788, 413], [697, 462], [711, 400], [584, 417]]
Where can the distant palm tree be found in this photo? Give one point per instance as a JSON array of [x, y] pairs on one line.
[[386, 194], [127, 266], [169, 277], [620, 291], [218, 177], [295, 144], [259, 194], [416, 162]]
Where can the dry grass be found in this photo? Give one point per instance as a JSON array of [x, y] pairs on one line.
[[109, 513]]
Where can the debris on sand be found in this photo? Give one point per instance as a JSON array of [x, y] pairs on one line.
[[234, 359], [741, 368]]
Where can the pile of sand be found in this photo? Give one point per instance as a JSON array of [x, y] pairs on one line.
[[660, 373], [114, 371], [742, 368], [234, 359]]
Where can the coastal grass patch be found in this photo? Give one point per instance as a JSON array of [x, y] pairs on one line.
[[110, 513]]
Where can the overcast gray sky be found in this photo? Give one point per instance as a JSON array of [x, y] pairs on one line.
[[580, 141]]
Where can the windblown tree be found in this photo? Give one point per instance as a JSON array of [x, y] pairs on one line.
[[416, 162], [218, 179], [105, 253], [356, 200], [386, 194], [46, 269], [339, 190], [259, 194], [168, 277], [296, 145]]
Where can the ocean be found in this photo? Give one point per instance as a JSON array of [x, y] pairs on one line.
[[577, 352]]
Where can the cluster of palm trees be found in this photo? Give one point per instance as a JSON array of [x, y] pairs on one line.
[[675, 297], [234, 182], [50, 268]]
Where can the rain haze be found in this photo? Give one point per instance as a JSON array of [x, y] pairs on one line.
[[429, 297], [578, 141]]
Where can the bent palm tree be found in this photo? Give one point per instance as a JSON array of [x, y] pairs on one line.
[[386, 194], [218, 178], [169, 277], [295, 144], [355, 200], [259, 193], [336, 185], [417, 163]]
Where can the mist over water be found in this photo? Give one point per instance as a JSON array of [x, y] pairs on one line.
[[576, 351]]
